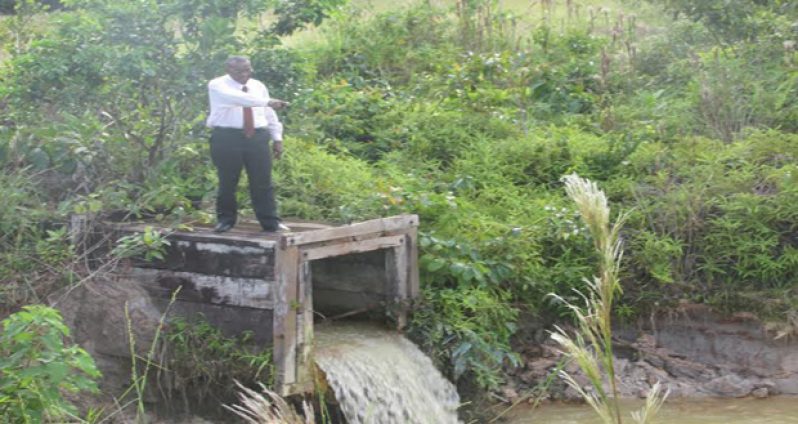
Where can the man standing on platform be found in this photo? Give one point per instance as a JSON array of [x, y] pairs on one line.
[[243, 120]]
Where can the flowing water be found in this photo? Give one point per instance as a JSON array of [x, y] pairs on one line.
[[776, 410], [379, 377]]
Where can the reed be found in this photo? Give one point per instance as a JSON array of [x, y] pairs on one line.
[[590, 345], [267, 407]]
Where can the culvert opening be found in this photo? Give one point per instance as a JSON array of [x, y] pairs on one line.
[[351, 287]]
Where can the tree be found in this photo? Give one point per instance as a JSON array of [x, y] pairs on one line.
[[131, 75]]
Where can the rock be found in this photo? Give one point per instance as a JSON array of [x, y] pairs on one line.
[[95, 312], [761, 392], [682, 368], [730, 385], [787, 385], [790, 363], [655, 361], [646, 341], [541, 367], [656, 375], [510, 394]]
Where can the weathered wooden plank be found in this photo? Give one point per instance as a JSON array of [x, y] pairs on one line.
[[306, 225], [360, 228], [396, 274], [202, 235], [346, 248], [228, 258], [413, 284], [285, 318], [304, 379], [214, 289]]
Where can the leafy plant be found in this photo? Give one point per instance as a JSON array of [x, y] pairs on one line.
[[150, 244], [37, 369], [465, 316]]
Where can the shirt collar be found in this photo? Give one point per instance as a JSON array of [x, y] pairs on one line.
[[235, 83]]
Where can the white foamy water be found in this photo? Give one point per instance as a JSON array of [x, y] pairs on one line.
[[379, 377]]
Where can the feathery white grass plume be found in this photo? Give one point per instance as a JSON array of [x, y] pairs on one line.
[[268, 407], [590, 346]]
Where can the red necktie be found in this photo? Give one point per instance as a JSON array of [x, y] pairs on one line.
[[249, 119]]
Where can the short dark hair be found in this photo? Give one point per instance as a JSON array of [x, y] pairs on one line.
[[235, 60]]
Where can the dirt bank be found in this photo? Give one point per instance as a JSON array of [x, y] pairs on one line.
[[693, 351]]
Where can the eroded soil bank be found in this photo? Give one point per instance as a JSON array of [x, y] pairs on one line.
[[693, 351]]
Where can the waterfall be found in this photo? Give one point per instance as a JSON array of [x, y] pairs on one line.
[[379, 377]]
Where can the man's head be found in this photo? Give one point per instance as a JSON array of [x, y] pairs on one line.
[[239, 68]]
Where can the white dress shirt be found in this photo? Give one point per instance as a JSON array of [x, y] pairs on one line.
[[228, 100]]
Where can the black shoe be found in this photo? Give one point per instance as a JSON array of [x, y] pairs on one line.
[[223, 227], [279, 228]]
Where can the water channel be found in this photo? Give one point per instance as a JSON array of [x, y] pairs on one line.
[[774, 410]]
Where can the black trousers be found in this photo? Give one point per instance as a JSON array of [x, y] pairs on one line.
[[231, 151]]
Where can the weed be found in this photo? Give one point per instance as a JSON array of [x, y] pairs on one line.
[[200, 363], [37, 369]]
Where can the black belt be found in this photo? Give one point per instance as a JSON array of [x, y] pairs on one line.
[[259, 129]]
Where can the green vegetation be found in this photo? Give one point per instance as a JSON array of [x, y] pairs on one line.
[[201, 364], [468, 116], [38, 371]]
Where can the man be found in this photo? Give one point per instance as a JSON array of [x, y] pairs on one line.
[[243, 119]]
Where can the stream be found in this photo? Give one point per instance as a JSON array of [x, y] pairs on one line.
[[774, 410]]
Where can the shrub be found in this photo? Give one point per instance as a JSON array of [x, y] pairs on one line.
[[315, 184], [37, 370], [713, 219]]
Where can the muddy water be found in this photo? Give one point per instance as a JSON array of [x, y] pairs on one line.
[[379, 377], [777, 410]]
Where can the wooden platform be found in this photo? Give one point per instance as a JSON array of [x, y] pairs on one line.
[[266, 282]]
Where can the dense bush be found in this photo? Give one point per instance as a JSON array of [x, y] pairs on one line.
[[38, 371], [714, 218]]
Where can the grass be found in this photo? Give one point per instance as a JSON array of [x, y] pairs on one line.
[[267, 407], [591, 344]]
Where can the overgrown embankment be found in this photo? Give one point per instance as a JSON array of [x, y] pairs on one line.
[[468, 117]]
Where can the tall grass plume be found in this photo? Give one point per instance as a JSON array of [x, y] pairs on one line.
[[590, 345], [267, 407]]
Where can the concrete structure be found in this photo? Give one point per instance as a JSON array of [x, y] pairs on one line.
[[275, 284]]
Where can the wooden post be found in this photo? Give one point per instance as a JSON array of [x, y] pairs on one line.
[[304, 363], [413, 289], [285, 318], [396, 275]]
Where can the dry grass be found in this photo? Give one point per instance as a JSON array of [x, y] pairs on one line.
[[267, 407]]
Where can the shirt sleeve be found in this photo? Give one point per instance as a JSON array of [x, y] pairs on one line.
[[223, 95], [275, 126]]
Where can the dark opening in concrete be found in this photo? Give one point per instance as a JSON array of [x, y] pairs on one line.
[[350, 286]]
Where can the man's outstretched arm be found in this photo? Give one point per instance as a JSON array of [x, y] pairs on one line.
[[223, 95]]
